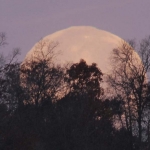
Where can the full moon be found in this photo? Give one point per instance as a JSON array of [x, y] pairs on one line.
[[83, 42]]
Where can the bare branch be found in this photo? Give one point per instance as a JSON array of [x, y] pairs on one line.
[[129, 79], [2, 39]]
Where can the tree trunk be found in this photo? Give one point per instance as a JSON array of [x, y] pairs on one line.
[[140, 129]]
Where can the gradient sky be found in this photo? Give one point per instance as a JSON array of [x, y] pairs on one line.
[[27, 21]]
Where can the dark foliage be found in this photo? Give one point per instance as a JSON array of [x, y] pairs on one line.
[[39, 120]]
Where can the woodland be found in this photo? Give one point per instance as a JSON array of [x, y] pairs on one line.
[[47, 106]]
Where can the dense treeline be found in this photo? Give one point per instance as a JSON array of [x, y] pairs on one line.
[[46, 106]]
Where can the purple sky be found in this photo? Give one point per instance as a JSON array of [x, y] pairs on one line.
[[27, 21]]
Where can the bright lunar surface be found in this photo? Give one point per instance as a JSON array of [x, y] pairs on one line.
[[83, 42]]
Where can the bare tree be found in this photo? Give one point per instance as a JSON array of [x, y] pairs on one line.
[[8, 74], [10, 90], [12, 57], [129, 79], [2, 39], [41, 78]]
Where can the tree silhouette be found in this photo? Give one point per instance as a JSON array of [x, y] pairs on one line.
[[86, 120], [129, 80], [41, 79], [83, 78]]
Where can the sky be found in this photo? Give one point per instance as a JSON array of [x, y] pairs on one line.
[[25, 22]]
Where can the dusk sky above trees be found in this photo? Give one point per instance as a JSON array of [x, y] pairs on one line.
[[26, 22], [76, 105]]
